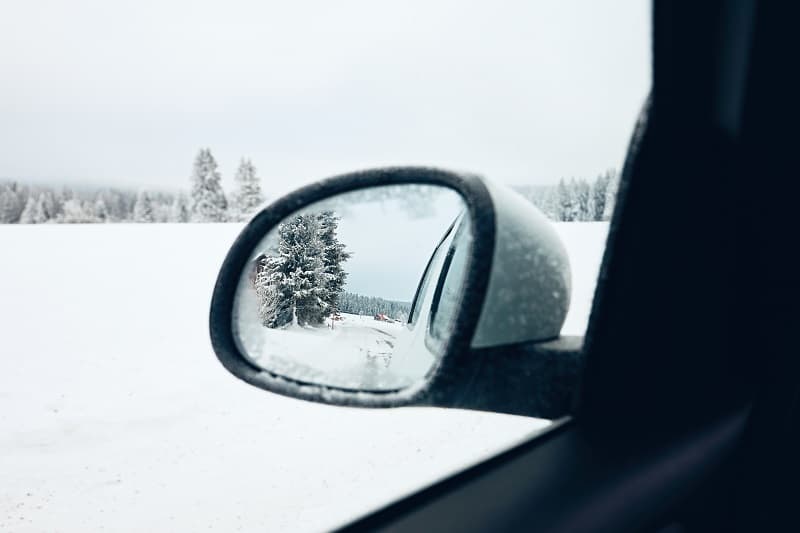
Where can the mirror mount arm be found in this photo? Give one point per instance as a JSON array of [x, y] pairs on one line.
[[529, 379]]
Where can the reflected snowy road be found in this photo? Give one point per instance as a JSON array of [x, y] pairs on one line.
[[355, 353]]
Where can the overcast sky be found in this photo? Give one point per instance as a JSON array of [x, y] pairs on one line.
[[125, 93]]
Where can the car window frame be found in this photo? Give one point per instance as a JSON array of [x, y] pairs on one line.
[[419, 294], [589, 471]]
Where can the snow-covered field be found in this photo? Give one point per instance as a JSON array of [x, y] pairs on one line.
[[115, 414]]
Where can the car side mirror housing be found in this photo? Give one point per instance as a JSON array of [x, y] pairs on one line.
[[400, 286]]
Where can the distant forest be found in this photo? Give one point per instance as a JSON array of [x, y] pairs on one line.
[[205, 201], [576, 199], [571, 200], [358, 304]]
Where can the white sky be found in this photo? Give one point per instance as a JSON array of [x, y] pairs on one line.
[[390, 247], [125, 93]]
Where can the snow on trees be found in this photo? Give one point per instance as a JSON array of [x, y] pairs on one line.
[[143, 209], [599, 192], [333, 255], [179, 211], [40, 209], [582, 198], [301, 282], [294, 277], [568, 201], [42, 204], [28, 215], [74, 212], [611, 194], [11, 204], [358, 304], [49, 206], [575, 200], [119, 204], [247, 195], [208, 199], [100, 210]]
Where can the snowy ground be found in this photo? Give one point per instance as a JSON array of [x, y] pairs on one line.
[[115, 414], [354, 354]]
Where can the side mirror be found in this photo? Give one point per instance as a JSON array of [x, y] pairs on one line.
[[400, 286]]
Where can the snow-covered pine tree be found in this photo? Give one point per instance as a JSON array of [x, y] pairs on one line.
[[611, 193], [74, 212], [208, 199], [274, 293], [566, 201], [50, 205], [11, 204], [247, 195], [598, 197], [28, 212], [126, 201], [100, 210], [143, 209], [115, 207], [162, 206], [582, 194], [291, 284], [333, 255], [179, 211]]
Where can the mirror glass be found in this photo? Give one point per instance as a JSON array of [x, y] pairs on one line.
[[357, 291]]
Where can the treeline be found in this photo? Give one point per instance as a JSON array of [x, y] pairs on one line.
[[571, 200], [358, 304], [40, 204], [575, 200], [204, 202]]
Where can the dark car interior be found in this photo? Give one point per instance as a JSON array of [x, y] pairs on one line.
[[686, 415]]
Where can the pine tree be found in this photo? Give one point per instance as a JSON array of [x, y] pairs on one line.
[[115, 206], [333, 255], [143, 209], [598, 196], [566, 201], [276, 307], [208, 199], [39, 209], [302, 282], [162, 207], [28, 212], [611, 194], [582, 195], [11, 204], [179, 212], [247, 195], [100, 210], [74, 212], [292, 285], [50, 207]]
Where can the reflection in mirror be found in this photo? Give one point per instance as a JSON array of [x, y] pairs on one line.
[[340, 293]]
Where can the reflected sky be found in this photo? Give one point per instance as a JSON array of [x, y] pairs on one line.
[[391, 246], [389, 237]]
